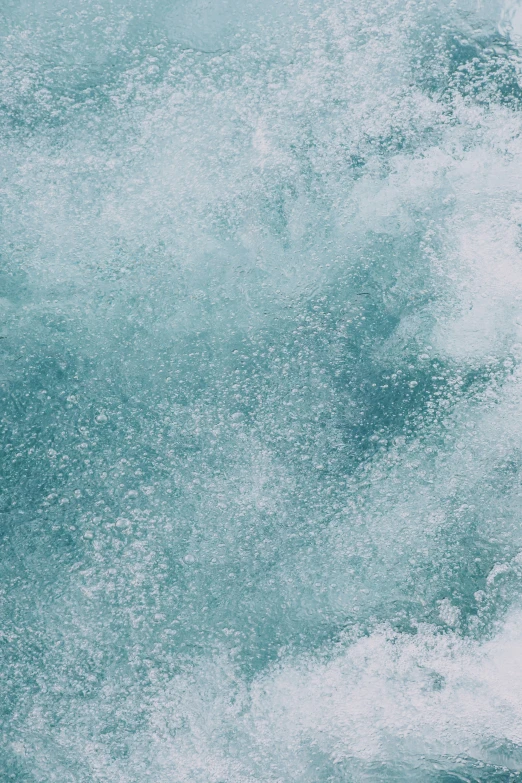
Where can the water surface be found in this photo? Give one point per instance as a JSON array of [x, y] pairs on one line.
[[261, 391]]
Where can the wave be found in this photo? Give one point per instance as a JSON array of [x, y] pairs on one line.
[[260, 379]]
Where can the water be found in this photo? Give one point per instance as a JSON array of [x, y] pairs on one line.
[[260, 377]]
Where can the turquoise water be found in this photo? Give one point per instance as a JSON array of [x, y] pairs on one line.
[[261, 391]]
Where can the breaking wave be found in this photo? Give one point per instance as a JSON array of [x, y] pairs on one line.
[[261, 391]]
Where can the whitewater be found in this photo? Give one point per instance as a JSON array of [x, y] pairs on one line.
[[260, 391]]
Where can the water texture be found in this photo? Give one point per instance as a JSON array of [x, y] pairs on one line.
[[261, 391]]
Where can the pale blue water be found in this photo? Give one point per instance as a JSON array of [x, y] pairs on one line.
[[261, 391]]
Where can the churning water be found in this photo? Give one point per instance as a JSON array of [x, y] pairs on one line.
[[261, 391]]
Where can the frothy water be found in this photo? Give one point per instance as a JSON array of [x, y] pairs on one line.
[[261, 391]]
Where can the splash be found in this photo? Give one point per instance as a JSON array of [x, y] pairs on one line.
[[260, 379]]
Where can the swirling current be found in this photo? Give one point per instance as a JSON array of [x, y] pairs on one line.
[[260, 391]]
